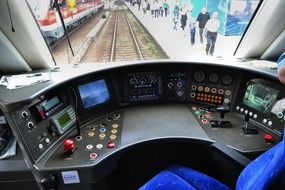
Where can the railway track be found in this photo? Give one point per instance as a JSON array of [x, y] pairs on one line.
[[123, 38]]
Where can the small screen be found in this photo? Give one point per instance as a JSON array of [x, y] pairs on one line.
[[49, 104], [260, 97], [94, 93], [64, 119]]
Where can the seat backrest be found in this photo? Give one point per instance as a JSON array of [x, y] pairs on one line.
[[265, 171]]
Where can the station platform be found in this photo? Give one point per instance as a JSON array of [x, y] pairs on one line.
[[176, 43]]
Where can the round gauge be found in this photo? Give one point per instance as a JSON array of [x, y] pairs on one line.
[[199, 76], [213, 78], [227, 79]]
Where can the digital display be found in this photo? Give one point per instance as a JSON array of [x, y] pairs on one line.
[[64, 119], [49, 104], [260, 97], [94, 93], [144, 86]]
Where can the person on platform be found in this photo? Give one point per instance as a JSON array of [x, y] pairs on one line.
[[281, 68], [211, 32], [165, 7], [183, 17], [202, 19], [192, 27]]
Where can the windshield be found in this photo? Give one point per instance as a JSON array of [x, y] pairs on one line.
[[114, 31]]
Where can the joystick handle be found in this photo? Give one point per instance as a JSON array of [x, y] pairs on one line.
[[69, 145], [222, 110], [246, 117]]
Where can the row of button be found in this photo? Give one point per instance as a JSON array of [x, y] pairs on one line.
[[242, 110], [212, 90], [94, 155]]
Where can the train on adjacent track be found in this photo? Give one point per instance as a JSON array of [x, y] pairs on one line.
[[49, 20]]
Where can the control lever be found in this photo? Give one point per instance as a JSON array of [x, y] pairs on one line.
[[221, 123], [246, 129], [69, 146]]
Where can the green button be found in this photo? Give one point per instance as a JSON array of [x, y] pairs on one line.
[[280, 115], [197, 112]]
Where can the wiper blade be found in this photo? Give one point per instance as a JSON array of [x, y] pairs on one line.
[[63, 25]]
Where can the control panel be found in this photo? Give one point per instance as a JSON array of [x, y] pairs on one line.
[[264, 103], [211, 89], [42, 123], [176, 86], [143, 86], [98, 137]]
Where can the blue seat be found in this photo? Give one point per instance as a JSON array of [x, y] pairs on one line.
[[265, 172]]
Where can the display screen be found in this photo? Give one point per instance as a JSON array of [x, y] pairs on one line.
[[64, 119], [260, 97], [94, 93], [49, 104]]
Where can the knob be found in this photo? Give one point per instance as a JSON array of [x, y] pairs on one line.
[[31, 125], [69, 145], [25, 115]]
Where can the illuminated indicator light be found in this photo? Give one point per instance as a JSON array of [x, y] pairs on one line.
[[213, 96], [112, 137], [212, 100], [213, 90], [91, 134], [219, 102], [205, 121], [41, 146], [93, 155], [111, 145], [114, 131], [220, 91], [208, 115], [237, 107], [241, 109], [255, 116], [115, 125], [245, 111], [198, 98], [102, 130], [264, 120], [197, 112], [268, 137], [102, 136], [99, 146], [220, 97], [228, 92], [279, 115], [250, 113], [89, 146], [209, 100], [269, 123]]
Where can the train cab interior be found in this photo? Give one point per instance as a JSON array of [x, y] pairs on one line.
[[205, 122]]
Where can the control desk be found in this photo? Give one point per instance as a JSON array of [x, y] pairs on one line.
[[82, 121]]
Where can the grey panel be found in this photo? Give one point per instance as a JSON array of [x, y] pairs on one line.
[[148, 122]]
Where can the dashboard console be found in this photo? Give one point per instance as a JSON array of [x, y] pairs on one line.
[[105, 112]]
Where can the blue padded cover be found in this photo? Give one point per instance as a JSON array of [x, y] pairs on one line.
[[168, 181], [264, 170], [176, 177]]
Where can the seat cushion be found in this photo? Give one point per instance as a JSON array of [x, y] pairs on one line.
[[179, 177]]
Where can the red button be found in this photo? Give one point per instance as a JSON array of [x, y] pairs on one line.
[[93, 155], [205, 121], [111, 145], [268, 137], [69, 145]]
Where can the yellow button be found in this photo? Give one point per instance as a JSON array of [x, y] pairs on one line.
[[113, 137], [114, 131], [91, 134], [102, 136], [115, 125]]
